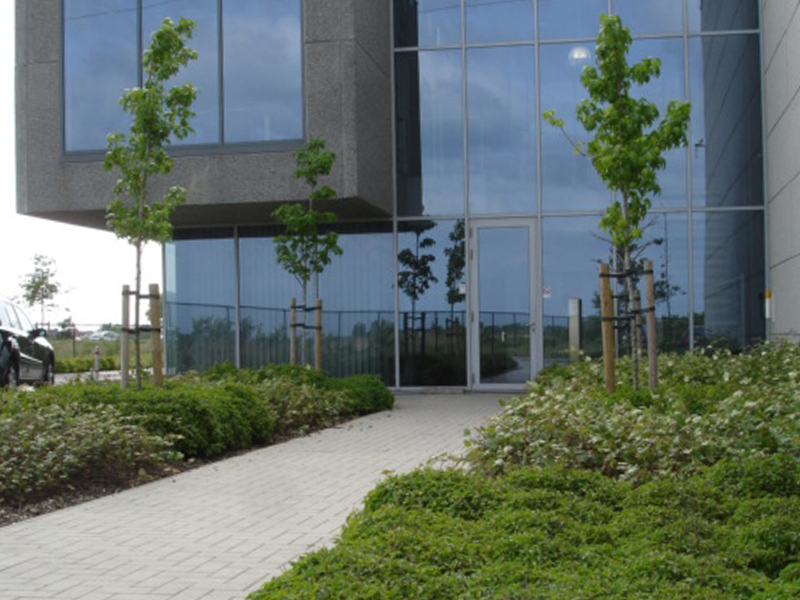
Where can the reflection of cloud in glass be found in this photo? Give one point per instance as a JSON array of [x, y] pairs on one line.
[[499, 20], [579, 55], [441, 132], [649, 16], [502, 158], [203, 72], [263, 71], [99, 64], [564, 19]]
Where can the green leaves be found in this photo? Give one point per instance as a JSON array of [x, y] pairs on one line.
[[157, 115], [304, 250], [629, 142]]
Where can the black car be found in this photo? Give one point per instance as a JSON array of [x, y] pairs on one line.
[[25, 353]]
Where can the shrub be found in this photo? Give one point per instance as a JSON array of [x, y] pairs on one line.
[[365, 393], [55, 447], [203, 420], [706, 409]]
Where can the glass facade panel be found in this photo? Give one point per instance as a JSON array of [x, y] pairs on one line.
[[432, 283], [716, 15], [499, 20], [504, 284], [502, 130], [203, 73], [430, 146], [569, 181], [200, 312], [644, 17], [726, 144], [566, 19], [266, 293], [572, 247], [729, 278], [427, 23], [100, 50], [263, 70], [671, 85]]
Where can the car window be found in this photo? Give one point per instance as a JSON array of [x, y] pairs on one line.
[[8, 316], [24, 322]]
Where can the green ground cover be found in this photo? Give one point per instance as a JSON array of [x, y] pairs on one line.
[[569, 493]]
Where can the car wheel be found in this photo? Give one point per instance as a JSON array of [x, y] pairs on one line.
[[49, 375], [12, 376]]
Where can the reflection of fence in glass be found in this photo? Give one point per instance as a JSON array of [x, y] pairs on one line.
[[353, 341], [198, 336]]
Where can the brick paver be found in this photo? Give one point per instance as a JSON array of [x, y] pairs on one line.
[[220, 531]]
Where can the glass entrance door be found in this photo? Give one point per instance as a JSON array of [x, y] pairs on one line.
[[503, 324]]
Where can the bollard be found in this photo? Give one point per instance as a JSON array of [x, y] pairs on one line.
[[97, 363]]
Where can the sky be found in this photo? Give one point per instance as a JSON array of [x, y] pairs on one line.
[[91, 265]]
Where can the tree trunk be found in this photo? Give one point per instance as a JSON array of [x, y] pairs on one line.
[[631, 287], [303, 328]]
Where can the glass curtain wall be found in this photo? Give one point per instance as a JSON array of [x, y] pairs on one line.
[[472, 78]]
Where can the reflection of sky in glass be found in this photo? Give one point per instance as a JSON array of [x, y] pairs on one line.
[[569, 181], [99, 64], [650, 16], [441, 132], [504, 269], [263, 71], [669, 86], [203, 72], [427, 23], [573, 247], [564, 19], [502, 138], [499, 20]]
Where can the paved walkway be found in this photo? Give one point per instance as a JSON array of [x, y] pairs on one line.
[[219, 532]]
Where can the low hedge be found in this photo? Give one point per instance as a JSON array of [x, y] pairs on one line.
[[48, 448], [64, 437], [557, 534]]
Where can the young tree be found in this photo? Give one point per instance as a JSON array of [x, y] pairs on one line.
[[304, 251], [158, 115], [628, 142], [40, 286]]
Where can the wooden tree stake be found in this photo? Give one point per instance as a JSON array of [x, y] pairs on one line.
[[293, 333], [652, 341], [155, 336], [607, 315], [124, 349], [318, 336]]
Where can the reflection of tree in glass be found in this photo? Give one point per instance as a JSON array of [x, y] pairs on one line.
[[416, 274], [456, 262]]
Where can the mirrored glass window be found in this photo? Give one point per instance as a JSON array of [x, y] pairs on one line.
[[502, 130], [569, 181], [499, 20], [650, 16], [726, 146], [430, 146], [358, 303], [716, 15], [427, 23], [432, 284], [100, 50], [263, 70], [729, 278], [203, 73], [200, 311], [669, 86], [572, 248], [566, 19]]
